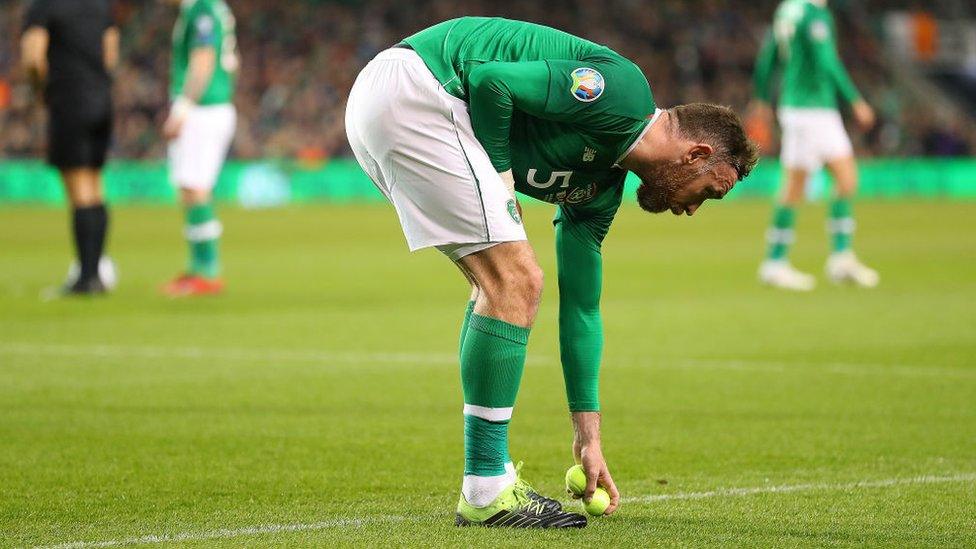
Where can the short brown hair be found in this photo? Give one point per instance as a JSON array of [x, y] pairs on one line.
[[721, 128]]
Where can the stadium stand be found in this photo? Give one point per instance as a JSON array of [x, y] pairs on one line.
[[300, 59]]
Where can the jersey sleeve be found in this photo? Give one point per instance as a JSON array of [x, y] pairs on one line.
[[202, 28], [580, 231], [821, 33], [600, 92], [559, 90], [495, 91], [38, 14], [766, 62]]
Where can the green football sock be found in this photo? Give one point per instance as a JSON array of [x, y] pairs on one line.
[[203, 236], [841, 225], [492, 359], [780, 235]]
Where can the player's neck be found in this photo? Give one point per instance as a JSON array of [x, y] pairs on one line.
[[657, 144]]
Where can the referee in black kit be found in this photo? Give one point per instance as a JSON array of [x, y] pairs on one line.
[[69, 49]]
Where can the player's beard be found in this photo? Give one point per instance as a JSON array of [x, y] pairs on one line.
[[660, 182]]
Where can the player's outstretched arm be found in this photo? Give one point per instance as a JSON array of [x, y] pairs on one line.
[[580, 231], [580, 275], [579, 236]]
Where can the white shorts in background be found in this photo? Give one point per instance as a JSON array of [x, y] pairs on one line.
[[415, 142], [196, 156], [812, 137]]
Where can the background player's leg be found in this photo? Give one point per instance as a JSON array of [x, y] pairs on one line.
[[202, 233], [89, 218], [781, 233], [841, 224], [776, 270], [196, 157], [509, 281], [843, 265]]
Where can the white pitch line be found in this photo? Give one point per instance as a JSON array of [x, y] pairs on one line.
[[389, 358], [228, 533], [812, 487], [258, 355], [841, 368], [231, 533]]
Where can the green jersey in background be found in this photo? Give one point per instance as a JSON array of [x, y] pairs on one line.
[[205, 23], [802, 44]]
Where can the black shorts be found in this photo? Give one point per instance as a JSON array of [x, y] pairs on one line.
[[78, 138]]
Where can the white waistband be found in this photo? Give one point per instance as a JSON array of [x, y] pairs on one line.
[[392, 54]]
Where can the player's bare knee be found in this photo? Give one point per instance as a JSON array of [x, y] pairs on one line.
[[534, 280], [846, 187], [190, 196], [524, 286], [794, 190], [514, 290]]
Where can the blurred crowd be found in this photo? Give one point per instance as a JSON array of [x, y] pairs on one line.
[[300, 58]]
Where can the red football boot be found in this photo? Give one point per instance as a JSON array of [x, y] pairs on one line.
[[191, 285]]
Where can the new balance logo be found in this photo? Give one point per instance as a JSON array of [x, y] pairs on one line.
[[588, 154]]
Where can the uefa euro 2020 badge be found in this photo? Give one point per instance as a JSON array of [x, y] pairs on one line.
[[587, 84]]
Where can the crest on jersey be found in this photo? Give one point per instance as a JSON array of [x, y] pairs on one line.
[[819, 31], [588, 84], [581, 194], [513, 211]]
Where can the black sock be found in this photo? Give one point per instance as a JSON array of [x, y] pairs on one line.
[[90, 226]]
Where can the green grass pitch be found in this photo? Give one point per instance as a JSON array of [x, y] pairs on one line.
[[317, 403]]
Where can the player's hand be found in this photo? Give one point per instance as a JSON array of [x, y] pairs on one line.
[[508, 179], [173, 126], [598, 474], [863, 114], [177, 115], [588, 453]]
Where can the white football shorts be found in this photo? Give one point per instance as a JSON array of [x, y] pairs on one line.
[[812, 137], [196, 156], [415, 142]]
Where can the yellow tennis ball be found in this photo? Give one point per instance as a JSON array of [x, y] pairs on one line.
[[598, 503], [575, 480]]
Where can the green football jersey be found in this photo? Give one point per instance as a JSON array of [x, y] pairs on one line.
[[205, 23], [557, 110], [801, 43], [560, 112]]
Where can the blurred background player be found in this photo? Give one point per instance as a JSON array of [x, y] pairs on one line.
[[801, 43], [200, 127], [69, 48]]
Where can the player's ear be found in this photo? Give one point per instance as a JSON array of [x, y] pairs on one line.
[[698, 152]]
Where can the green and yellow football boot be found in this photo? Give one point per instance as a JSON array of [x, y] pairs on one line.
[[514, 508]]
